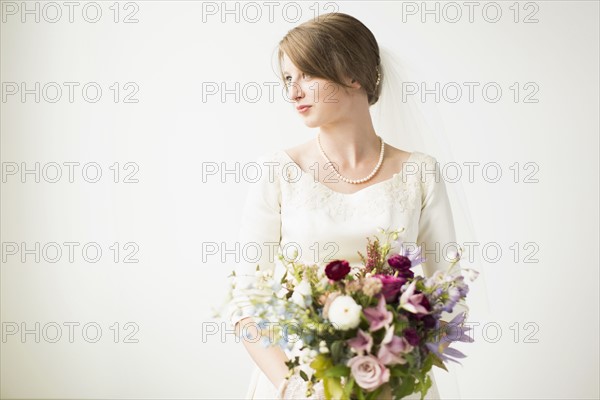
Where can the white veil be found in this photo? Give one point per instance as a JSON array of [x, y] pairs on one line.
[[410, 124]]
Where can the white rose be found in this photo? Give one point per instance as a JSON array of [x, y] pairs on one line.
[[344, 313]]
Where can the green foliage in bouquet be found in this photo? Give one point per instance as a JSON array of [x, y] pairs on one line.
[[365, 330]]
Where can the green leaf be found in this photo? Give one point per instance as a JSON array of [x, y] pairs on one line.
[[435, 360], [320, 364], [374, 394], [397, 372], [333, 388], [337, 349], [425, 385], [337, 371], [284, 277], [428, 362], [291, 363], [406, 387], [361, 395], [348, 388], [303, 375]]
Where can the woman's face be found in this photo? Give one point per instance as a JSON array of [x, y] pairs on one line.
[[321, 102]]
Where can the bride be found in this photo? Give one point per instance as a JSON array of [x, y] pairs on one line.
[[332, 69]]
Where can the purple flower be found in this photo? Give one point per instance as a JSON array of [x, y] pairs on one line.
[[429, 322], [361, 343], [411, 336], [405, 260], [399, 262], [455, 331], [393, 348], [391, 286], [447, 354], [413, 302], [424, 301], [337, 270], [379, 316]]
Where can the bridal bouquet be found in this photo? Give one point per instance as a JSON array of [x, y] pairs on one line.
[[363, 330]]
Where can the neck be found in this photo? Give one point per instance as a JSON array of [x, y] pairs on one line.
[[351, 146]]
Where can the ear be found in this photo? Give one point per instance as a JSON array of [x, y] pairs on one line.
[[352, 82]]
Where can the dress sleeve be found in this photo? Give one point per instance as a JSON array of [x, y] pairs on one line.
[[436, 227], [259, 236]]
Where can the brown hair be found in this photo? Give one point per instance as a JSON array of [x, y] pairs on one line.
[[333, 46]]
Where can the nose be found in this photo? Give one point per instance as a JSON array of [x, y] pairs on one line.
[[295, 91]]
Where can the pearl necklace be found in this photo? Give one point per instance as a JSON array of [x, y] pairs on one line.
[[355, 181]]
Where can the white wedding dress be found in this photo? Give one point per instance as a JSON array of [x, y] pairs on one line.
[[289, 207]]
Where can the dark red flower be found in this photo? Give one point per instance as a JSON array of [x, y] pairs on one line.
[[399, 262], [402, 264], [337, 270], [411, 336], [429, 322], [424, 301], [390, 286]]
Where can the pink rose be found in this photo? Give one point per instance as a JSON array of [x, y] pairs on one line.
[[369, 373]]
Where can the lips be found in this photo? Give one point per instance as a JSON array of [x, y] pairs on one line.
[[302, 108]]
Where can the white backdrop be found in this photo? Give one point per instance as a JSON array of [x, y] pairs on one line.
[[162, 91]]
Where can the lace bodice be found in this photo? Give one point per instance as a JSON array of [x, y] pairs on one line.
[[288, 209], [302, 190]]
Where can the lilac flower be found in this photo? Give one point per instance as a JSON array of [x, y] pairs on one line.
[[412, 302], [454, 294], [393, 348], [437, 278], [362, 342], [456, 331], [379, 316], [447, 354], [473, 274]]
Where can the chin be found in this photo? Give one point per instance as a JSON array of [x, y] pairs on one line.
[[311, 124]]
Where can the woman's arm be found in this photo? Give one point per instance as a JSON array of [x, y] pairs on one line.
[[271, 360], [260, 228], [437, 236]]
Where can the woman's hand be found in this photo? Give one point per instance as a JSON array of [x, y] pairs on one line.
[[271, 360]]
